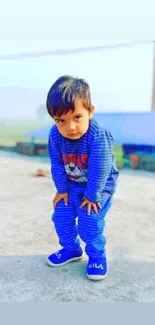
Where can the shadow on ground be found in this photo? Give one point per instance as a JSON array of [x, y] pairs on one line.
[[29, 278]]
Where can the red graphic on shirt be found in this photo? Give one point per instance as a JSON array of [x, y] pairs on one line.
[[78, 160], [76, 166]]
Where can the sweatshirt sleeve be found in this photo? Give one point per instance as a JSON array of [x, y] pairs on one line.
[[57, 166], [99, 166]]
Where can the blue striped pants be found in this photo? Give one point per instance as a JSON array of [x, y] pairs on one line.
[[89, 227]]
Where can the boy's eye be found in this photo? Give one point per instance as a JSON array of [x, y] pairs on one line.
[[77, 117], [60, 121]]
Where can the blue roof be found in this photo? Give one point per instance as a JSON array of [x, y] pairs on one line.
[[41, 133], [126, 128]]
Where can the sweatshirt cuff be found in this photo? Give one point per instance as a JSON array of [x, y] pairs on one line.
[[61, 189], [101, 197], [91, 196]]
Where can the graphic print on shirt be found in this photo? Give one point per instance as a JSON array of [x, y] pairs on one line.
[[76, 166]]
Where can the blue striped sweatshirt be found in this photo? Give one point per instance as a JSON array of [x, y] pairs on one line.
[[88, 161]]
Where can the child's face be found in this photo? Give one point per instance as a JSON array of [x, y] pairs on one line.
[[74, 125]]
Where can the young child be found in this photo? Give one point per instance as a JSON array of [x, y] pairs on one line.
[[84, 172]]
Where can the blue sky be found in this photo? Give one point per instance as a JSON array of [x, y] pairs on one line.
[[120, 79]]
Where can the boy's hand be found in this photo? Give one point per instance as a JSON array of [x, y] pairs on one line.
[[90, 205], [58, 197]]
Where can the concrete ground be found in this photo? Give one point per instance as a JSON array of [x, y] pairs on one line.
[[27, 237]]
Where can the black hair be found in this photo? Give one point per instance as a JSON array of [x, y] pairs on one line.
[[62, 94]]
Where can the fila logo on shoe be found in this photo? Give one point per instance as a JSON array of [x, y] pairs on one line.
[[58, 255], [96, 266]]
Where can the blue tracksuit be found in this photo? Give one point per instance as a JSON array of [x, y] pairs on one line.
[[83, 167]]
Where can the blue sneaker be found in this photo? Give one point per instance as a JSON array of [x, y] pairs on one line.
[[64, 256], [97, 268]]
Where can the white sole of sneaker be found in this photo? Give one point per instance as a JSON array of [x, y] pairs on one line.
[[74, 259], [96, 277]]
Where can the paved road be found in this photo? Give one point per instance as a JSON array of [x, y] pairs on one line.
[[27, 237]]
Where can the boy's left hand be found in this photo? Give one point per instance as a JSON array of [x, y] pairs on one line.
[[90, 205]]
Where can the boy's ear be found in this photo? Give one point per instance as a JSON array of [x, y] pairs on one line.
[[92, 111]]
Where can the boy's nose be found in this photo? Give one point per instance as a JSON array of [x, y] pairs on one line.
[[71, 127]]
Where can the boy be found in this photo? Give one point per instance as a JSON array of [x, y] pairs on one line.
[[84, 172]]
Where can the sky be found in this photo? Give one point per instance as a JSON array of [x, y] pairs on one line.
[[120, 79]]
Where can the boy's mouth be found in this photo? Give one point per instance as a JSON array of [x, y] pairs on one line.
[[72, 134]]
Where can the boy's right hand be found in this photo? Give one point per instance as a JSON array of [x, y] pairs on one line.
[[60, 196]]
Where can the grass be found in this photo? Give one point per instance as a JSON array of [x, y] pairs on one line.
[[13, 131]]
